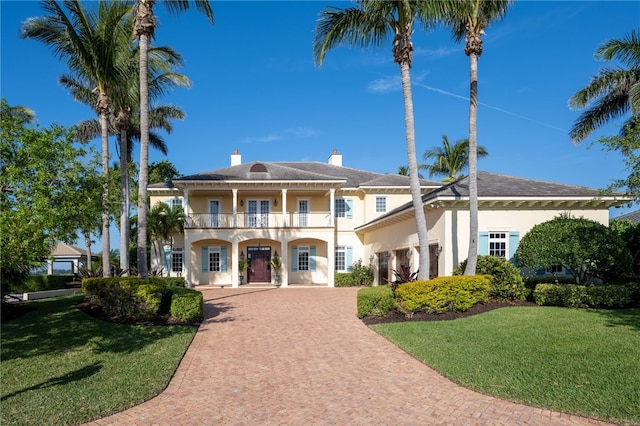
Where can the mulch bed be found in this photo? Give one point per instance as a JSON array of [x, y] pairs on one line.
[[394, 316]]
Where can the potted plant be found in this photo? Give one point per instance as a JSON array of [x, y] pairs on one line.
[[243, 264], [276, 265]]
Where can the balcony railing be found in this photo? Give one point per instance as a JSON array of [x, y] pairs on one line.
[[258, 220]]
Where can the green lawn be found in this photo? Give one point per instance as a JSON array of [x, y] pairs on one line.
[[60, 366], [585, 362]]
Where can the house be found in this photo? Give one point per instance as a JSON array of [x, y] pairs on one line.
[[320, 218]]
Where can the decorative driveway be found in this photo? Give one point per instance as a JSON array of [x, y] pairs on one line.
[[300, 356]]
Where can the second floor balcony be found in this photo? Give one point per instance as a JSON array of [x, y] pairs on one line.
[[258, 220]]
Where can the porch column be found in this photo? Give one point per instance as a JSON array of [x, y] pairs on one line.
[[76, 266], [185, 203], [284, 258], [235, 272], [49, 267], [235, 208], [283, 202], [332, 206], [331, 261]]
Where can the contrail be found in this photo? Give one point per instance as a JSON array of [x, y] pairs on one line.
[[444, 92]]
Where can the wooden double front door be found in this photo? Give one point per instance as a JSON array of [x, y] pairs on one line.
[[260, 265]]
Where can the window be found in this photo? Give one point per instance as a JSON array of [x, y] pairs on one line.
[[344, 208], [176, 260], [176, 202], [341, 258], [214, 259], [381, 204], [555, 269], [498, 244], [303, 258]]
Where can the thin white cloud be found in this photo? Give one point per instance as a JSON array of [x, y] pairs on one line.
[[261, 139], [301, 132], [436, 53], [289, 133], [385, 84]]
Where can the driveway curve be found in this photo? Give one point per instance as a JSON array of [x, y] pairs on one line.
[[294, 356]]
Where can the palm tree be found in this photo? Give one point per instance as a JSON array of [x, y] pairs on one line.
[[468, 19], [95, 47], [125, 99], [144, 30], [369, 24], [449, 160], [164, 221], [613, 92]]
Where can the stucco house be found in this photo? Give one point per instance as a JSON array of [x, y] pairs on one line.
[[320, 218]]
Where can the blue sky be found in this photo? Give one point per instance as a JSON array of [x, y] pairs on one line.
[[256, 89]]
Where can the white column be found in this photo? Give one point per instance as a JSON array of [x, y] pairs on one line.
[[235, 207], [76, 266], [332, 206], [49, 267], [187, 266], [284, 208], [284, 258], [331, 261], [235, 272], [185, 202]]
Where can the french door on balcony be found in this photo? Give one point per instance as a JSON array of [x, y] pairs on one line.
[[303, 212], [258, 213], [214, 213]]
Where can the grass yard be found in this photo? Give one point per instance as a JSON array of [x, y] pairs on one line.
[[60, 366], [578, 361]]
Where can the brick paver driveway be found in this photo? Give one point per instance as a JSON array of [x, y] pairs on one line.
[[298, 356]]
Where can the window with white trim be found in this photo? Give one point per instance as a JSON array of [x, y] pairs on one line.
[[341, 208], [498, 244], [341, 258], [381, 204], [177, 258], [176, 202], [303, 258], [214, 259]]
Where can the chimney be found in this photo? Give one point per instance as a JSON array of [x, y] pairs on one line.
[[236, 158], [335, 159]]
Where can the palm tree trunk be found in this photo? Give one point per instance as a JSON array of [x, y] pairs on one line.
[[124, 206], [414, 180], [87, 242], [144, 159], [106, 248], [472, 258]]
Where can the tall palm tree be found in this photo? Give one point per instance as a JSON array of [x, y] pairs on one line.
[[468, 19], [95, 48], [144, 30], [370, 23], [449, 160], [164, 221], [613, 92]]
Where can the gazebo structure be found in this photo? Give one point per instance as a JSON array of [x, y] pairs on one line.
[[62, 252]]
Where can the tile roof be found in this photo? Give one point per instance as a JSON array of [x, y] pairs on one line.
[[633, 216]]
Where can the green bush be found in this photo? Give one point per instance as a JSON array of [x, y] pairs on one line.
[[186, 304], [169, 281], [506, 281], [580, 296], [375, 301], [42, 282], [362, 275], [442, 294], [150, 297], [344, 280]]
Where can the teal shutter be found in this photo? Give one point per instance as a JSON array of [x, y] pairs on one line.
[[223, 259], [294, 259], [205, 259], [312, 258], [349, 207], [514, 239], [483, 243], [349, 259], [168, 202]]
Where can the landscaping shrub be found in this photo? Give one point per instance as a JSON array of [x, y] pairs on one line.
[[362, 275], [506, 280], [42, 282], [186, 304], [344, 280], [150, 297], [169, 281], [580, 296], [442, 294], [375, 301]]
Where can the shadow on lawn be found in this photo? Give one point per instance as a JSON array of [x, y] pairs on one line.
[[73, 376], [622, 317], [57, 326]]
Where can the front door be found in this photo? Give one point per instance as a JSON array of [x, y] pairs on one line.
[[433, 260], [259, 270], [383, 268]]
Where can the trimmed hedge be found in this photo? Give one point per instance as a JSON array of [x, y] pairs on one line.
[[580, 296], [42, 282], [135, 298], [186, 304], [442, 294], [375, 301], [344, 279], [506, 281]]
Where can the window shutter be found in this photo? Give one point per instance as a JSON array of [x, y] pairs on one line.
[[349, 259], [514, 239], [483, 243], [205, 259], [294, 259], [349, 207], [312, 258], [168, 202], [223, 259]]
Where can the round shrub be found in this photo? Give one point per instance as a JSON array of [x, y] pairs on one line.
[[506, 281], [375, 301]]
